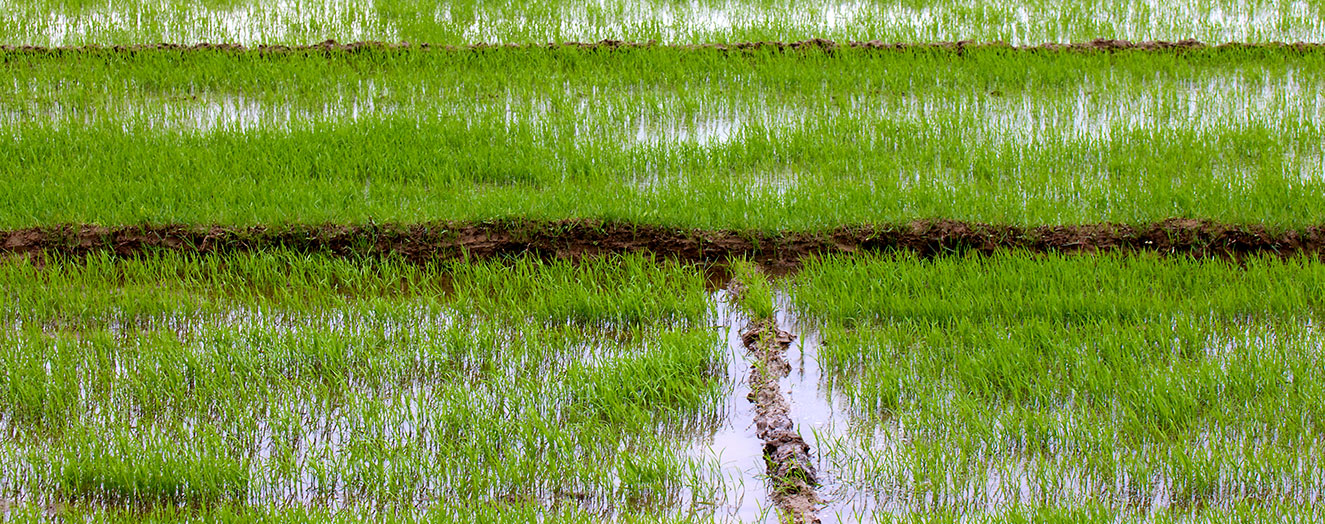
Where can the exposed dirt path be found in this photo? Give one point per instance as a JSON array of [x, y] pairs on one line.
[[1099, 44], [442, 241]]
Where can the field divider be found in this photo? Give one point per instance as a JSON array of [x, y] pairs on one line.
[[793, 478], [1098, 44], [576, 238]]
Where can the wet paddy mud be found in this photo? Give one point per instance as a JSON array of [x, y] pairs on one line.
[[791, 468], [793, 478], [574, 239], [1099, 44]]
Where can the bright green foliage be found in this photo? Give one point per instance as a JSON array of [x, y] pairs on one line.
[[621, 291], [1151, 386], [56, 22], [705, 138], [1017, 287], [756, 291], [373, 386], [130, 469], [444, 511]]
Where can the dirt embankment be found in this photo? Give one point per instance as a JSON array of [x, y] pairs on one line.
[[580, 238], [790, 467], [1100, 44]]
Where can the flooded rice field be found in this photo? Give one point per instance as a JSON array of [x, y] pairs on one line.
[[623, 388], [665, 136], [1099, 106], [66, 23], [642, 260], [383, 404]]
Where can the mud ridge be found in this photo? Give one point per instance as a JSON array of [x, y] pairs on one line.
[[1100, 44], [790, 466], [573, 239]]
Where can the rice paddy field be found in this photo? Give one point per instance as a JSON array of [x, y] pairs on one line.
[[694, 138], [78, 22], [647, 261]]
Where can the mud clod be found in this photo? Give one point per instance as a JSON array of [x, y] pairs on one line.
[[790, 466]]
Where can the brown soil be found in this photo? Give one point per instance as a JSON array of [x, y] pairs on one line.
[[573, 239], [790, 467], [1101, 44]]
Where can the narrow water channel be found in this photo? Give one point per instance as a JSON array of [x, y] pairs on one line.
[[735, 445]]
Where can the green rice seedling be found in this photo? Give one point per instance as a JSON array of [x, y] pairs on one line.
[[116, 468], [628, 290], [802, 140], [510, 511], [1158, 388], [661, 382], [101, 289], [1016, 287], [66, 22], [755, 294], [338, 391]]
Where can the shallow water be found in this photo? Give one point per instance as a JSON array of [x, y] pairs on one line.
[[321, 443], [1094, 112], [821, 417], [898, 464], [868, 462], [304, 21], [735, 445], [244, 22]]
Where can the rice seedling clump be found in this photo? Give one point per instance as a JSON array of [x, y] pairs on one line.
[[1096, 387], [369, 387], [646, 260], [109, 22], [767, 139]]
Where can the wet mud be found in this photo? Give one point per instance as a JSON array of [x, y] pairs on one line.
[[790, 467], [1100, 44], [573, 239]]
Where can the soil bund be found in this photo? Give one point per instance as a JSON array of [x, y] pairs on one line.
[[572, 239], [1099, 44]]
